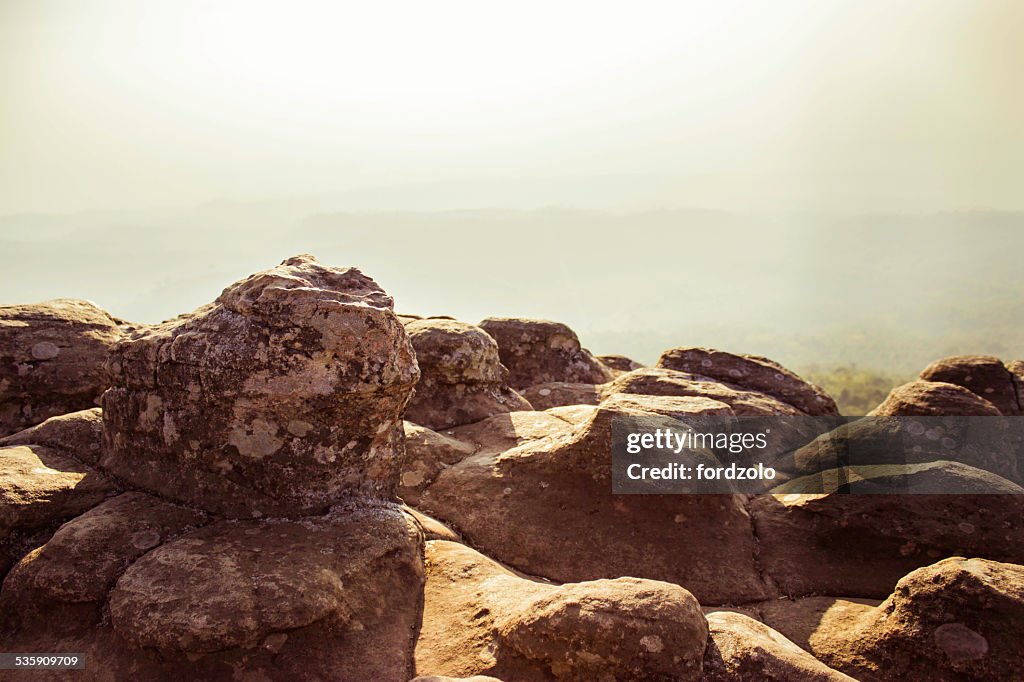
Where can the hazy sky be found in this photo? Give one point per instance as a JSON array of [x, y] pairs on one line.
[[838, 104]]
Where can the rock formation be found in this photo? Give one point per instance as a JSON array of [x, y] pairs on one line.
[[234, 510], [934, 399], [462, 380], [545, 507], [260, 442], [751, 372], [540, 351], [53, 359], [983, 375], [282, 397], [958, 619]]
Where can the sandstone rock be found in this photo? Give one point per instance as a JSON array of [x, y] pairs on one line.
[[619, 363], [462, 380], [78, 435], [53, 359], [480, 618], [622, 629], [40, 488], [326, 598], [427, 453], [741, 648], [1016, 369], [546, 508], [560, 393], [430, 528], [540, 351], [934, 398], [282, 397], [63, 585], [988, 446], [503, 432], [808, 621], [861, 545], [754, 373], [983, 375], [445, 678], [667, 382], [925, 478], [958, 619]]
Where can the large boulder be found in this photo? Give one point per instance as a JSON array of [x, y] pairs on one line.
[[462, 380], [282, 397], [64, 583], [621, 629], [751, 372], [545, 506], [47, 476], [335, 597], [53, 360], [261, 440], [934, 399], [668, 382], [541, 351], [958, 619], [481, 618], [989, 445], [860, 545], [983, 375], [78, 435]]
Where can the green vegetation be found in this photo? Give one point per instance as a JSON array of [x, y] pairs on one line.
[[856, 391]]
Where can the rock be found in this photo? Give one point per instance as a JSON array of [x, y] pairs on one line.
[[427, 452], [480, 618], [282, 397], [540, 351], [752, 372], [78, 435], [892, 440], [1016, 369], [621, 629], [462, 380], [934, 399], [619, 363], [53, 358], [326, 598], [195, 593], [925, 478], [983, 375], [430, 528], [546, 507], [667, 382], [64, 584], [808, 620], [40, 488], [560, 393], [503, 432], [860, 545], [741, 648], [958, 619], [445, 678]]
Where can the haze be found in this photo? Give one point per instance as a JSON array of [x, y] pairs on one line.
[[824, 181]]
